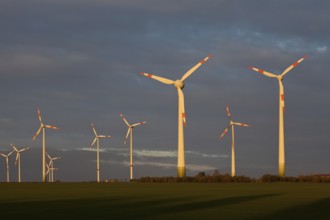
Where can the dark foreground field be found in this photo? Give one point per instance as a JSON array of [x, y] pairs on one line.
[[165, 201]]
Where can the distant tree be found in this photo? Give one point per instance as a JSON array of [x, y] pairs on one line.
[[200, 174], [216, 177], [216, 173], [268, 178], [226, 178]]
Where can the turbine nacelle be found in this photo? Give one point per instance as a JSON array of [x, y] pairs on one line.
[[179, 84]]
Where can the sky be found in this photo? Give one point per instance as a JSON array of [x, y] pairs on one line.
[[79, 62]]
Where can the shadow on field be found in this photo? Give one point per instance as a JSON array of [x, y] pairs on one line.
[[192, 206], [319, 210], [103, 208]]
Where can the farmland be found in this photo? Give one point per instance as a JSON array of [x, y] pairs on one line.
[[165, 201]]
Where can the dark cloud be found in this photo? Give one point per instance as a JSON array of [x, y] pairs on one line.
[[79, 62]]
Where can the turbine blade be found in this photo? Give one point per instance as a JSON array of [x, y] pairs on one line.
[[158, 78], [51, 127], [35, 136], [48, 156], [228, 112], [10, 153], [24, 149], [3, 155], [241, 124], [39, 116], [140, 123], [189, 72], [56, 158], [126, 122], [293, 65], [128, 131], [17, 155], [181, 106], [93, 142], [94, 129], [103, 136], [47, 168], [263, 72], [224, 132], [14, 147]]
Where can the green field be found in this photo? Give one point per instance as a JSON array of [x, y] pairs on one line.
[[165, 201]]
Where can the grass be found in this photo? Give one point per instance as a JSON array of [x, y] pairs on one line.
[[165, 201]]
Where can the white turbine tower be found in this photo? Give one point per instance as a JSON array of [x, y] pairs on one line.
[[179, 84], [232, 124], [97, 140], [281, 155], [130, 132], [7, 164], [18, 160], [43, 128], [51, 167]]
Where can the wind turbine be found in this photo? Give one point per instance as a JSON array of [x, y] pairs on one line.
[[130, 132], [179, 85], [51, 167], [18, 160], [49, 171], [7, 164], [232, 124], [281, 154], [97, 140], [43, 128]]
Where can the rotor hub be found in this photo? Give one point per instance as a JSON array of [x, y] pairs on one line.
[[179, 84]]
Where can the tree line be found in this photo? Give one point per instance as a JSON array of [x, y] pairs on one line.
[[217, 177]]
